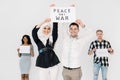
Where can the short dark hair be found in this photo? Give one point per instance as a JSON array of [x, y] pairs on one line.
[[28, 37], [73, 23], [99, 30]]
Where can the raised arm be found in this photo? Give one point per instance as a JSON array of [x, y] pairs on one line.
[[36, 28], [55, 32], [79, 22], [85, 32], [34, 34], [55, 28]]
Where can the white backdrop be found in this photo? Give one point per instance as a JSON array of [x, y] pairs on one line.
[[18, 17]]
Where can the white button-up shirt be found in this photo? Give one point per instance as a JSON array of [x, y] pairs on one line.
[[72, 50]]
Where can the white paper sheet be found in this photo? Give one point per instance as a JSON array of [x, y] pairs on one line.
[[25, 49], [62, 14], [102, 53]]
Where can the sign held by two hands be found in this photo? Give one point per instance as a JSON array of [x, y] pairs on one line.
[[62, 14]]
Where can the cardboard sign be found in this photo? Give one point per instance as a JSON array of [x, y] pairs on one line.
[[62, 14]]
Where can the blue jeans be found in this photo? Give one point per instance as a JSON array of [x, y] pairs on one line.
[[104, 69]]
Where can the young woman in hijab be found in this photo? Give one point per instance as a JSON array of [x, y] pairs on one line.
[[47, 60]]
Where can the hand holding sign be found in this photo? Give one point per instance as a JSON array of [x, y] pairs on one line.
[[110, 50], [52, 5], [72, 5]]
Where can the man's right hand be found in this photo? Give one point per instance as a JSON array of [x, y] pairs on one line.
[[94, 50]]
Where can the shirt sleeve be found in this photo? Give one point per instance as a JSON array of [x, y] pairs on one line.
[[34, 34], [109, 45], [91, 46], [86, 33], [55, 32], [38, 42]]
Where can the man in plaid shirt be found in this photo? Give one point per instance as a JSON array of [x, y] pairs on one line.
[[100, 48]]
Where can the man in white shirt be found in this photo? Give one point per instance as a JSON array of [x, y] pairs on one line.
[[71, 53]]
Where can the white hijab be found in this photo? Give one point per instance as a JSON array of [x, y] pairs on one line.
[[44, 37]]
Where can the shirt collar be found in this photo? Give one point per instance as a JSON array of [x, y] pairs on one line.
[[77, 37], [99, 41]]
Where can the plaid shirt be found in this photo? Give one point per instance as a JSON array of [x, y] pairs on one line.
[[100, 45]]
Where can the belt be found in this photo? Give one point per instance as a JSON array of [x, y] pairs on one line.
[[71, 68], [44, 49]]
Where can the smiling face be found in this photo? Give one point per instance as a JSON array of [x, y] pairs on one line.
[[46, 30], [74, 30]]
